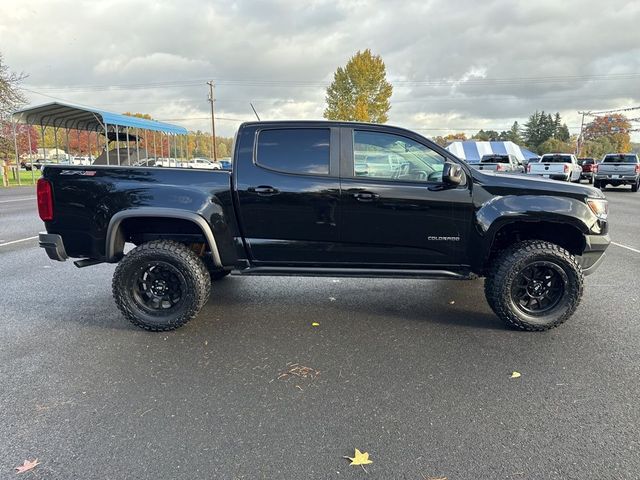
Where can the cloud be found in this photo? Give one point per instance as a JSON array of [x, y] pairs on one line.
[[457, 63]]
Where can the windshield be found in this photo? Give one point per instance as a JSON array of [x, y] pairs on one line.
[[620, 159], [556, 159]]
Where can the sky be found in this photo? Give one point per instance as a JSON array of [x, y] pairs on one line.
[[457, 65]]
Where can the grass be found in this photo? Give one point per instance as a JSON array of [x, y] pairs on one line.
[[25, 178]]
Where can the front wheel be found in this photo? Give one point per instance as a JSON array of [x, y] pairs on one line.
[[534, 285], [161, 285]]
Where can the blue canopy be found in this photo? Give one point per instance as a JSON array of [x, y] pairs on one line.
[[472, 151], [63, 115]]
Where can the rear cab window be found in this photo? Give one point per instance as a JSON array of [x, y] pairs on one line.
[[495, 159], [556, 159], [620, 159], [301, 151]]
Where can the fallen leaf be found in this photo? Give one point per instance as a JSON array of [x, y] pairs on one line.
[[452, 302], [332, 299], [27, 465], [516, 375], [359, 458], [315, 324]]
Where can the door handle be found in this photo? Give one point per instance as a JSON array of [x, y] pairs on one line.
[[365, 196], [264, 190]]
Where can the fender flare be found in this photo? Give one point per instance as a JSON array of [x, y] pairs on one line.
[[116, 220]]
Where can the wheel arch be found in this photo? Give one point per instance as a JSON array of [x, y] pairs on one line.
[[115, 238]]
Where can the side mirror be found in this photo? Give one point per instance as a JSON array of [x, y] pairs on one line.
[[451, 174]]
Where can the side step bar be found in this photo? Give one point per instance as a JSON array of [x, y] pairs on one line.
[[87, 262], [354, 272]]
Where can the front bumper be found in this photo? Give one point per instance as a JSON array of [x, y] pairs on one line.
[[53, 245], [593, 253]]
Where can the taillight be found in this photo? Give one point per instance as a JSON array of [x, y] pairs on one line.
[[566, 168], [528, 168], [498, 167], [594, 168], [45, 200], [638, 168]]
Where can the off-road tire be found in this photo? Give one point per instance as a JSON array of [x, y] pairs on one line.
[[509, 264], [194, 281]]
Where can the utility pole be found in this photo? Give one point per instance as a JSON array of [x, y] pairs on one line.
[[213, 121], [579, 142]]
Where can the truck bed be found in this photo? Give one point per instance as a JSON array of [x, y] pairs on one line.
[[87, 197]]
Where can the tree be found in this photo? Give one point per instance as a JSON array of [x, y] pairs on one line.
[[24, 134], [11, 98], [454, 137], [554, 145], [486, 136], [512, 135], [542, 127], [615, 127], [597, 148], [360, 90]]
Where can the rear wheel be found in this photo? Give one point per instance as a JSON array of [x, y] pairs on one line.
[[161, 285], [534, 285], [634, 187], [597, 184]]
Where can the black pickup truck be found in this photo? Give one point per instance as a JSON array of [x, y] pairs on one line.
[[315, 198]]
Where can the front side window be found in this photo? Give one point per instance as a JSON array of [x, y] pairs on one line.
[[394, 157], [303, 151]]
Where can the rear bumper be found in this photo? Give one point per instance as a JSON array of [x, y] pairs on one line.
[[593, 253], [617, 179], [53, 245], [553, 176]]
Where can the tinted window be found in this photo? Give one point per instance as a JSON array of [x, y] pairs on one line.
[[556, 159], [495, 159], [393, 157], [620, 159], [295, 150]]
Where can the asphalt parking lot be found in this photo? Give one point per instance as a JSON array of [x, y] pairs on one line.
[[415, 372]]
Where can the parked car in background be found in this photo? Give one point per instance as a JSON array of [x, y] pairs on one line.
[[617, 169], [202, 163], [226, 164], [557, 166], [147, 162], [39, 163], [587, 168], [501, 163]]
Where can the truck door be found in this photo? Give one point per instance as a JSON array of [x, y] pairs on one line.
[[288, 190], [401, 215]]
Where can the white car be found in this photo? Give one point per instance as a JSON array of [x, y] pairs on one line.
[[557, 166], [202, 163]]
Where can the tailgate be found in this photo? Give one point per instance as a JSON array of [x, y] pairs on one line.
[[546, 168], [617, 169]]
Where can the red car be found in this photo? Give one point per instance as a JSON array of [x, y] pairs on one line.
[[587, 168]]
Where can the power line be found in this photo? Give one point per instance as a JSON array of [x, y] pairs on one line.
[[279, 83]]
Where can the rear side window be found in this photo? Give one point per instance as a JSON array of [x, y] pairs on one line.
[[304, 151]]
